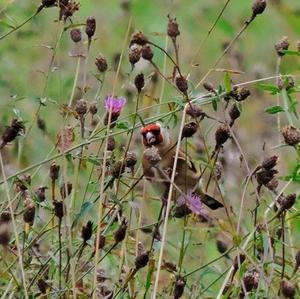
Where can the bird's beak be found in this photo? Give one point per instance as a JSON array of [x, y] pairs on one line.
[[150, 137]]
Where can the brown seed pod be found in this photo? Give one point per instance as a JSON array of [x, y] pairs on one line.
[[179, 287], [147, 52], [189, 130], [81, 107], [282, 46], [173, 28], [270, 163], [138, 38], [288, 201], [194, 110], [209, 86], [29, 212], [222, 134], [10, 133], [87, 231], [90, 26], [139, 82], [54, 171], [258, 7], [288, 289], [134, 55], [101, 64], [58, 209], [130, 159], [291, 135], [120, 233], [111, 143], [181, 84], [234, 113], [102, 241], [141, 260], [75, 35], [264, 176], [93, 109], [48, 3]]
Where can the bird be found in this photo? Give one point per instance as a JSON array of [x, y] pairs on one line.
[[156, 138]]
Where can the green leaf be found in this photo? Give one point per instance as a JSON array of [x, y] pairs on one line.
[[227, 81], [269, 87], [85, 209], [123, 125], [214, 104], [274, 109], [290, 52], [5, 24]]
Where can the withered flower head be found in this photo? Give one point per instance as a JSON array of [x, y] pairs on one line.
[[181, 84], [141, 260], [234, 113], [67, 9], [288, 289], [152, 156], [282, 45], [179, 287], [48, 3], [147, 52], [194, 110], [139, 82], [251, 280], [90, 26], [243, 94], [29, 212], [101, 64], [189, 129], [209, 86], [93, 109], [173, 28], [10, 133], [120, 233], [288, 201], [130, 159], [75, 35], [54, 171], [134, 54], [81, 107], [270, 163], [111, 143], [222, 134], [65, 190], [87, 231], [138, 38], [291, 135], [258, 7], [58, 209]]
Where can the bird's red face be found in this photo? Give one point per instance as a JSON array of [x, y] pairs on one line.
[[152, 134]]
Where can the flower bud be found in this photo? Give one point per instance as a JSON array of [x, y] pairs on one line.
[[130, 159], [173, 30], [87, 231], [134, 55], [189, 130], [65, 190], [29, 212], [194, 110], [221, 135], [138, 38], [270, 163], [54, 171], [179, 287], [58, 209], [288, 202], [288, 289], [141, 260], [111, 143], [93, 109], [234, 113], [81, 107], [258, 7]]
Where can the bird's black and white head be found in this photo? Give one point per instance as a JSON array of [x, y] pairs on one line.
[[154, 135]]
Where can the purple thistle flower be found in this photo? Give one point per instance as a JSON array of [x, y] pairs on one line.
[[114, 104], [192, 201]]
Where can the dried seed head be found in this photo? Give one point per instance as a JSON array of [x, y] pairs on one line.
[[42, 285], [93, 109], [264, 176], [102, 241], [29, 212], [234, 113], [120, 233], [258, 7], [139, 82], [58, 209], [138, 38], [243, 94], [194, 110], [5, 217], [173, 28], [291, 135], [11, 132], [236, 261], [75, 35], [288, 201], [189, 130], [288, 289], [222, 245], [222, 134], [209, 86], [87, 231], [130, 159], [273, 184], [181, 84], [67, 9], [134, 55], [179, 287], [54, 171], [48, 3], [81, 107], [101, 64], [111, 143], [90, 27], [281, 46], [5, 235], [141, 260], [251, 280], [65, 190], [152, 156], [40, 193], [118, 169], [147, 52], [270, 163], [41, 124]]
